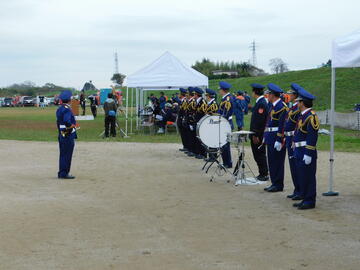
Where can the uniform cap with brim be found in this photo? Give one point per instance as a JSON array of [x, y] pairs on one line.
[[65, 95], [240, 92], [294, 89], [191, 89], [305, 95], [183, 90], [257, 86], [198, 90], [273, 88], [210, 92], [225, 85]]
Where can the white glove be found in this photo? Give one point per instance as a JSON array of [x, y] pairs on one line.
[[191, 127], [307, 159], [278, 146]]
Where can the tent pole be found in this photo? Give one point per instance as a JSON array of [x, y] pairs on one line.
[[132, 110], [332, 134], [127, 112], [137, 108]]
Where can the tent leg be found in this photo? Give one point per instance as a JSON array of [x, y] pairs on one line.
[[332, 133], [137, 108], [126, 113], [132, 110]]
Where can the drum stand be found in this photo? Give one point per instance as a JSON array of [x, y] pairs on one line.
[[242, 167]]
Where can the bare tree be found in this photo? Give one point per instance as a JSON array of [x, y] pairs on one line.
[[278, 65]]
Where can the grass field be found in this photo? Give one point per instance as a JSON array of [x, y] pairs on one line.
[[34, 124]]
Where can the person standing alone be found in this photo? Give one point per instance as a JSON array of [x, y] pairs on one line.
[[110, 109]]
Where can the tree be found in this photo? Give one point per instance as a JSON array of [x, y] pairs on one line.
[[118, 78], [278, 65]]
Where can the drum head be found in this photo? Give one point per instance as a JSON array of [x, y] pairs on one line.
[[213, 131]]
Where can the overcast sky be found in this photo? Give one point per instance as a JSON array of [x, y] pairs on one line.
[[68, 42]]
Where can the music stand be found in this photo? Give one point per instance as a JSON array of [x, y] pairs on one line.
[[242, 168]]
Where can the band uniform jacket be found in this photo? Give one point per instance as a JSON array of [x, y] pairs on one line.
[[274, 130], [212, 107], [260, 112]]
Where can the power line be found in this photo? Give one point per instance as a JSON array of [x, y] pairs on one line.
[[253, 47]]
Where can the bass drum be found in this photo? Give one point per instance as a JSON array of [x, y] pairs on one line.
[[213, 131]]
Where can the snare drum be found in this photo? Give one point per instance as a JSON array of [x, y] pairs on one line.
[[213, 131]]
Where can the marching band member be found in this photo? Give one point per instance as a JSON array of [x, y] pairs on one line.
[[190, 122], [66, 124], [200, 111], [305, 139], [290, 125], [212, 106], [226, 110], [259, 115], [181, 118], [274, 139], [239, 109]]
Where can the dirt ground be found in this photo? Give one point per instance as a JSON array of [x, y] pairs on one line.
[[147, 206]]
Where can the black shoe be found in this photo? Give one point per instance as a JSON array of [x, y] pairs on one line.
[[291, 196], [267, 188], [275, 189], [297, 204], [297, 198], [199, 157], [190, 154], [306, 206], [67, 177], [183, 150], [262, 178]]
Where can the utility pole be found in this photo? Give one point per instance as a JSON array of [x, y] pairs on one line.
[[116, 64], [253, 47]]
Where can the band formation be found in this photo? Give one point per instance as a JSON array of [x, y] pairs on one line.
[[278, 125]]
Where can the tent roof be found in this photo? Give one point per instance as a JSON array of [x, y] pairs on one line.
[[346, 51], [166, 72]]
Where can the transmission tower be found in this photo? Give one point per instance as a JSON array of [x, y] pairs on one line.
[[253, 47], [116, 64]]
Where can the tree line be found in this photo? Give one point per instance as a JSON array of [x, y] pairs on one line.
[[29, 88]]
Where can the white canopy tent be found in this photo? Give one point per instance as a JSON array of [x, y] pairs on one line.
[[345, 54], [165, 73]]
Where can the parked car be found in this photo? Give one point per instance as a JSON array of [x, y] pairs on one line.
[[8, 102], [26, 101]]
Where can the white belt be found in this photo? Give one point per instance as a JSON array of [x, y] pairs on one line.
[[290, 133], [300, 144], [271, 129], [62, 126]]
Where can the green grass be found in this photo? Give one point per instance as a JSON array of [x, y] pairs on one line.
[[316, 81], [34, 124]]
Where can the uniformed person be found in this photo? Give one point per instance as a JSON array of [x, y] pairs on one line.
[[212, 106], [226, 110], [200, 111], [290, 125], [180, 119], [239, 109], [260, 112], [305, 139], [274, 139], [190, 122], [66, 125]]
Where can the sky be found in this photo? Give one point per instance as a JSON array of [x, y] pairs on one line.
[[69, 42]]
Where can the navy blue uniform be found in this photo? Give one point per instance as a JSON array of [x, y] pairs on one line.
[[274, 132], [289, 131], [305, 139], [191, 124], [239, 109], [226, 110], [259, 116], [67, 135], [179, 122], [200, 111]]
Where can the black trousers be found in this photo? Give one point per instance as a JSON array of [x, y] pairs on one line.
[[110, 125], [260, 157], [94, 111], [182, 132]]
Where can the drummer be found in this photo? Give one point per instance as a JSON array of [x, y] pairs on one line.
[[212, 106], [226, 110], [200, 111]]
